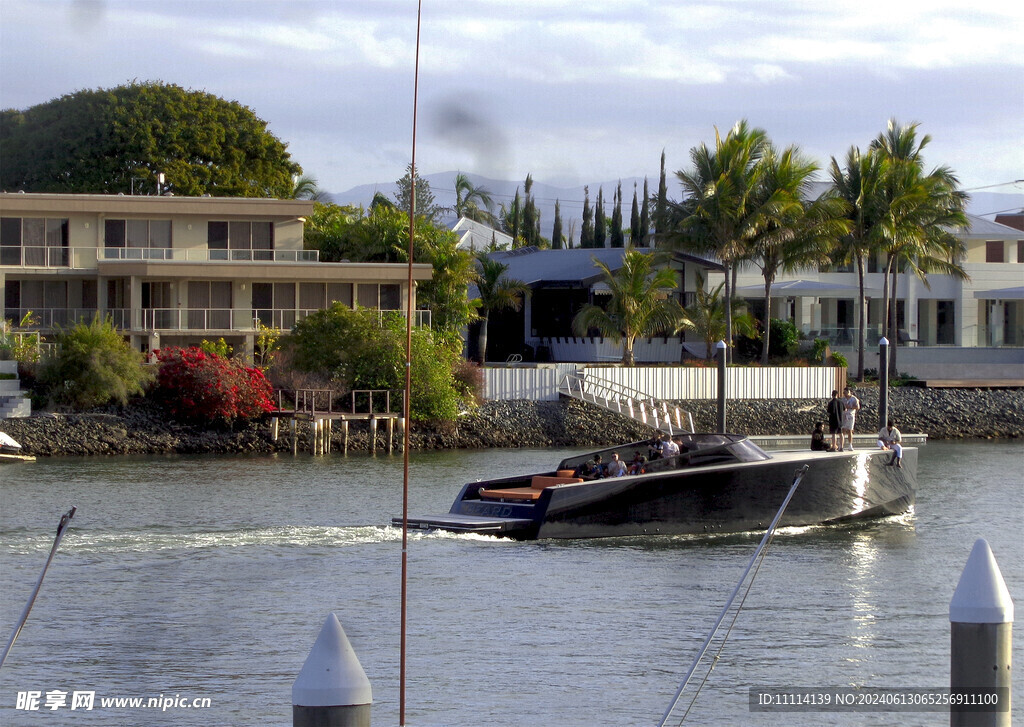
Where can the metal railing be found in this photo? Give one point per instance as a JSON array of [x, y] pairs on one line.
[[207, 255], [635, 404], [37, 256], [322, 401]]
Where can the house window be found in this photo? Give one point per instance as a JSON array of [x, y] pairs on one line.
[[240, 240], [1020, 251], [138, 234], [994, 252], [385, 296], [34, 241]]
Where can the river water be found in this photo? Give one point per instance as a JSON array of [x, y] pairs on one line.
[[210, 577]]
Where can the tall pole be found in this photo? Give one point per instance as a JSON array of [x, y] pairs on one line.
[[720, 352], [408, 376], [883, 382]]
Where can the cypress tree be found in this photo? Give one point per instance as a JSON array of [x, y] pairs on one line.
[[531, 216], [645, 217], [556, 230], [587, 230], [617, 238], [599, 225], [634, 222], [661, 210]]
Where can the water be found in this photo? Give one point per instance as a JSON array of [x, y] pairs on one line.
[[210, 578]]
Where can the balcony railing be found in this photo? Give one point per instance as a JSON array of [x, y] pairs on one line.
[[85, 258], [180, 319], [204, 255]]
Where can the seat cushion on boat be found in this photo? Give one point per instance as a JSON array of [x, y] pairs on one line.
[[539, 482], [565, 473], [510, 493]]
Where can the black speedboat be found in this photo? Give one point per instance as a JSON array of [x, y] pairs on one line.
[[719, 483]]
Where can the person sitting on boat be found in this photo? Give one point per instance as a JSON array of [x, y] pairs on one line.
[[889, 437], [657, 447], [616, 468], [818, 443], [637, 465], [670, 448], [591, 469]]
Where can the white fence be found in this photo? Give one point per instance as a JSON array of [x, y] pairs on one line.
[[674, 383]]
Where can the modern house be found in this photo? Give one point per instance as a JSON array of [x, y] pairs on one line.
[[986, 310], [560, 283], [176, 270], [476, 236]]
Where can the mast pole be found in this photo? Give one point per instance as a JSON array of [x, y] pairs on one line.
[[408, 375]]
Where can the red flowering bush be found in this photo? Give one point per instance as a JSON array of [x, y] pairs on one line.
[[201, 386]]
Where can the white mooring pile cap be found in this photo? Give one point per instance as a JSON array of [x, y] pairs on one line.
[[981, 596], [332, 675]]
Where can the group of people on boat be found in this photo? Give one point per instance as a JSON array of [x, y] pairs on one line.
[[597, 468], [842, 418]]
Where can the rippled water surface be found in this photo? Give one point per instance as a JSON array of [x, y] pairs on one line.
[[210, 577]]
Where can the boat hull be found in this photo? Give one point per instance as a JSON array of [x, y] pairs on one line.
[[838, 487]]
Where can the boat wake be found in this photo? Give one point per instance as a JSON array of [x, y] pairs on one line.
[[155, 539]]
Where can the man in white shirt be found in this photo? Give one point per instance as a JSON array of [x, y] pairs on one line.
[[889, 437], [851, 404], [616, 468], [671, 449]]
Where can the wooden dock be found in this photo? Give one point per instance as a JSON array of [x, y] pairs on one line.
[[318, 410]]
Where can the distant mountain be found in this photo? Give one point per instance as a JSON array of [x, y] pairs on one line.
[[570, 199]]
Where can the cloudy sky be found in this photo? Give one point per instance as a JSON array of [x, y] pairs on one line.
[[574, 92]]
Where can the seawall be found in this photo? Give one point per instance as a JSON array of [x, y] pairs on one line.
[[144, 428]]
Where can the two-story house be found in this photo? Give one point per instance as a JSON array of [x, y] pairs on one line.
[[176, 270]]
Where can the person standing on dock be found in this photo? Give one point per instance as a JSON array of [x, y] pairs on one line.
[[834, 410], [851, 404]]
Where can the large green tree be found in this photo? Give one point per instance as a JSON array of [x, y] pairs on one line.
[[425, 206], [473, 201], [721, 212], [111, 141], [638, 305], [600, 233], [919, 214], [795, 232], [857, 185], [587, 229], [556, 230]]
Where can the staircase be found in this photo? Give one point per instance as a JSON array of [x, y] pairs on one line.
[[13, 401], [628, 402]]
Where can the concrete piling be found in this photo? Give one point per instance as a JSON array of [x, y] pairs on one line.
[[331, 689], [720, 351], [981, 623], [883, 382]]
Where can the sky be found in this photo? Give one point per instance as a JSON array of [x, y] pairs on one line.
[[572, 92]]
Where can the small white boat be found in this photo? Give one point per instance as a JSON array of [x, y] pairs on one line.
[[10, 450]]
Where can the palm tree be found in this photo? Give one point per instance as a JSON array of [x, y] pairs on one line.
[[639, 304], [858, 186], [721, 213], [497, 292], [706, 317], [793, 234], [919, 213], [306, 187], [472, 201]]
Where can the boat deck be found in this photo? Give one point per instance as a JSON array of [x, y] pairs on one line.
[[464, 523]]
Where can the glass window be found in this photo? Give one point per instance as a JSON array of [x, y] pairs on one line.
[[240, 235], [1020, 251], [339, 293], [994, 251], [262, 236], [263, 295], [160, 233], [33, 232], [217, 235], [114, 233], [367, 295], [311, 296], [391, 297], [10, 241], [138, 233]]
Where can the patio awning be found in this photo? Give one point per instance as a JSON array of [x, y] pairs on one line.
[[1001, 294], [806, 289]]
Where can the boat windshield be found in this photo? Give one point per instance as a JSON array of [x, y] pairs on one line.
[[695, 450]]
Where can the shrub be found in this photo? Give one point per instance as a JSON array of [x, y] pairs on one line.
[[469, 381], [220, 347], [784, 338], [198, 386], [93, 365], [359, 349], [818, 349], [839, 359]]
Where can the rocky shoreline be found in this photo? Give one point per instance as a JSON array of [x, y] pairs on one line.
[[144, 428]]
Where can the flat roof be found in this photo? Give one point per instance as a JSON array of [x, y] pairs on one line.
[[124, 204]]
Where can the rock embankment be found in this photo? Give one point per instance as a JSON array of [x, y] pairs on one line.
[[144, 428]]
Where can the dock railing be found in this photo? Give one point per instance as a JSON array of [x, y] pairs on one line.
[[632, 403]]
